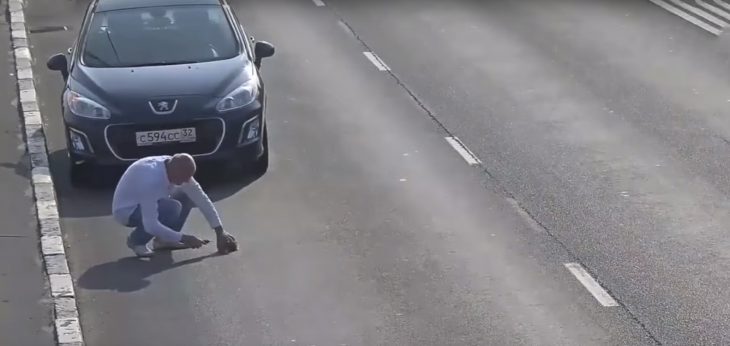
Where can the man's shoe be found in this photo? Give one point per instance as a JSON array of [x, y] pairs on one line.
[[139, 250], [159, 244]]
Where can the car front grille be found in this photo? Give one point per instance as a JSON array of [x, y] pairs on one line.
[[122, 142]]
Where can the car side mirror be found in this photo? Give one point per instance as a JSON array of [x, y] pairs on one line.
[[58, 62], [263, 49]]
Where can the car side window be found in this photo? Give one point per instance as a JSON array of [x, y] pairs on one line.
[[77, 45], [246, 42]]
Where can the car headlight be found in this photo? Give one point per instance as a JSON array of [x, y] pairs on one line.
[[84, 107], [240, 97]]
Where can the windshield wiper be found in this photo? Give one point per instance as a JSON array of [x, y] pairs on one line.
[[98, 59], [109, 38], [165, 63]]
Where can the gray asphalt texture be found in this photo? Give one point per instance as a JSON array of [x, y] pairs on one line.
[[25, 305], [604, 120]]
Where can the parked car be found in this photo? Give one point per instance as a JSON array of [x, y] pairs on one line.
[[157, 77]]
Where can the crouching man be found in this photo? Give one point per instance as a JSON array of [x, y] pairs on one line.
[[155, 195]]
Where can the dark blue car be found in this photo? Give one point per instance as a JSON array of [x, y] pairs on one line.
[[154, 77]]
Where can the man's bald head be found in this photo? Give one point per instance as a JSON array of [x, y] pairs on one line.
[[180, 168]]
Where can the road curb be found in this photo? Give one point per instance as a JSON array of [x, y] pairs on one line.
[[66, 316]]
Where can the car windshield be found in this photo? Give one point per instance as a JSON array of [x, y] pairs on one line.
[[159, 36]]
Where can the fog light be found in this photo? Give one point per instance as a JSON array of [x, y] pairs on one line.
[[253, 130], [250, 131], [79, 141]]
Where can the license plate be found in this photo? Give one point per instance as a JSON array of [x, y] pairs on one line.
[[184, 135]]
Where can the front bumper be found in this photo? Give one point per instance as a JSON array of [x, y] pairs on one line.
[[218, 138]]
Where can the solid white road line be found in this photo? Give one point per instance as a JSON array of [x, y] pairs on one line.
[[717, 21], [318, 3], [681, 14], [591, 284], [714, 9], [66, 322], [465, 153], [376, 61]]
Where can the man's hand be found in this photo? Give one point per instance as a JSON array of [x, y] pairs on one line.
[[226, 243], [192, 241]]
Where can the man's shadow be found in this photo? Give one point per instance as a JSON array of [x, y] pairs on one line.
[[131, 274]]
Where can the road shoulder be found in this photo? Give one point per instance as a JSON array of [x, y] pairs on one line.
[[24, 299], [46, 277]]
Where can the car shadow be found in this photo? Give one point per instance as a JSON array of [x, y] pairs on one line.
[[95, 199], [131, 274]]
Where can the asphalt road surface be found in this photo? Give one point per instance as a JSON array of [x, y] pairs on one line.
[[602, 134]]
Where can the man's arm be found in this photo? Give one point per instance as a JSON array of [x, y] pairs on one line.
[[152, 224], [201, 200], [224, 241]]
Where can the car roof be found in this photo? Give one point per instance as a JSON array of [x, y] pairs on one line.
[[111, 5]]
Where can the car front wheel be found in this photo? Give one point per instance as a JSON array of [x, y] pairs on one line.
[[262, 163], [81, 174]]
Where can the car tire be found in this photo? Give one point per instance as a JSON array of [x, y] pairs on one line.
[[80, 174], [261, 165]]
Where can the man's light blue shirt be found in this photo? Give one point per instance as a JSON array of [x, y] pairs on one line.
[[143, 184]]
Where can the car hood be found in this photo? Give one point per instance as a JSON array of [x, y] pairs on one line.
[[122, 87]]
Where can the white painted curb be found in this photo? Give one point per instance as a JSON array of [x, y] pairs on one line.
[[66, 315]]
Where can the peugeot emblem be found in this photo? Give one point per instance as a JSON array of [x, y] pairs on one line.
[[163, 107]]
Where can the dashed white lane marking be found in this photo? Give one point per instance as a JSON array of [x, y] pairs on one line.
[[591, 284], [465, 153], [66, 316], [318, 3], [686, 16], [376, 61]]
